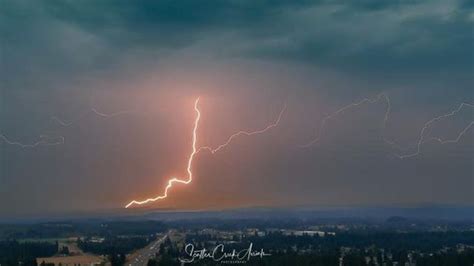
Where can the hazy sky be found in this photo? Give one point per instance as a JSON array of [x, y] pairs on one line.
[[145, 62]]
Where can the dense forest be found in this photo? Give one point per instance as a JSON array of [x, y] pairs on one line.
[[13, 252], [82, 228]]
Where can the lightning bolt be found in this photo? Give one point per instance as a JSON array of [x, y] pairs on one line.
[[427, 125], [91, 111], [345, 108], [245, 133], [188, 169], [43, 141], [422, 138], [195, 151]]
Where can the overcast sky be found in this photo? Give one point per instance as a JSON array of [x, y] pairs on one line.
[[144, 63]]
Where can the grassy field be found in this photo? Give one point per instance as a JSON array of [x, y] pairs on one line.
[[73, 260]]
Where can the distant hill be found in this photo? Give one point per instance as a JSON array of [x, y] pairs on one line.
[[381, 213], [430, 212]]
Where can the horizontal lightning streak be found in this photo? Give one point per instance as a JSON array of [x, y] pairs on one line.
[[42, 142], [422, 136], [345, 108], [91, 111], [245, 133], [45, 140]]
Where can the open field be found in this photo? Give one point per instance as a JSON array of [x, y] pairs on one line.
[[73, 260]]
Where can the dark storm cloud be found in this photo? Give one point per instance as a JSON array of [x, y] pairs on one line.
[[397, 36], [48, 39], [423, 37]]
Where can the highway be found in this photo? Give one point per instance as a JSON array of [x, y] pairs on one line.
[[141, 257]]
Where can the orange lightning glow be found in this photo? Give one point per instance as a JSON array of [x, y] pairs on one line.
[[189, 170], [196, 151]]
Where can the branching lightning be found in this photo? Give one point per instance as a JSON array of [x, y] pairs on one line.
[[195, 151], [422, 137], [427, 125], [46, 140]]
